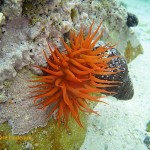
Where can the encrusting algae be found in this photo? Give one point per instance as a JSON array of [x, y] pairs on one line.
[[70, 76]]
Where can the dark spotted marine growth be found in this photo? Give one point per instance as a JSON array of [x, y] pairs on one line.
[[132, 20], [124, 91]]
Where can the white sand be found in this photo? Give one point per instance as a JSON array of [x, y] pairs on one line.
[[122, 124]]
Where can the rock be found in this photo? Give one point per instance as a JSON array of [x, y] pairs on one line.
[[29, 146], [147, 141], [132, 20], [42, 20], [12, 8]]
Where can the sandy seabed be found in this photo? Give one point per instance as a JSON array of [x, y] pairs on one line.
[[122, 124]]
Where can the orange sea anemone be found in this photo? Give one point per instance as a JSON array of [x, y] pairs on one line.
[[69, 78]]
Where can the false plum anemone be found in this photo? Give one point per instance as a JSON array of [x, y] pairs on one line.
[[70, 76]]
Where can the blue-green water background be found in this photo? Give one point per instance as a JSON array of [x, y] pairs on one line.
[[141, 8]]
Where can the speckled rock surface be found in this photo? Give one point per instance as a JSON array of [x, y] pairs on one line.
[[32, 22], [24, 33], [11, 8], [19, 110]]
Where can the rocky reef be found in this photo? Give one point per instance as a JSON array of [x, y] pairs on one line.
[[26, 25]]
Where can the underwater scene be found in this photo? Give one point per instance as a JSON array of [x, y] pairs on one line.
[[74, 75]]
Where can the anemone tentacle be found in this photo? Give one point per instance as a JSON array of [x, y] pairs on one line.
[[70, 76]]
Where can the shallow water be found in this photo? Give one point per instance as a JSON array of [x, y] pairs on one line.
[[141, 8], [121, 124]]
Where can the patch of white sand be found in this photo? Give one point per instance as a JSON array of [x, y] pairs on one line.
[[122, 124]]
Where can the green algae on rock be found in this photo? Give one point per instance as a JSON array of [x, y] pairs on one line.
[[7, 140], [49, 137], [132, 52], [148, 127]]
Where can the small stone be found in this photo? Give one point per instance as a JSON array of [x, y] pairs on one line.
[[2, 98], [147, 141], [26, 117], [44, 132], [29, 146], [132, 20], [84, 15], [35, 31], [2, 18], [66, 26], [36, 144]]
